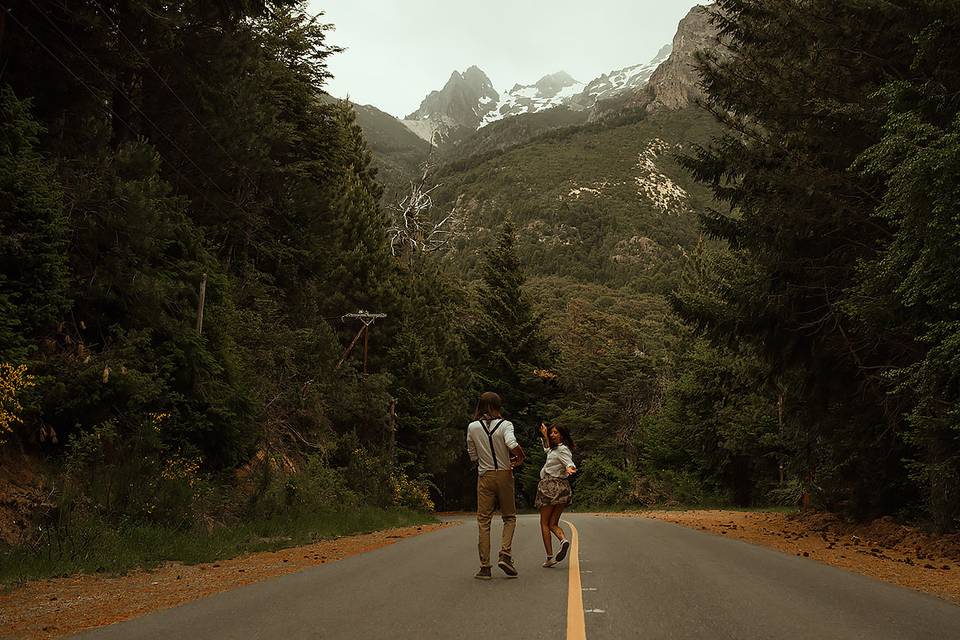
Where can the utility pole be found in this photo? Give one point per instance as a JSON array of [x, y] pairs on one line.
[[780, 429], [367, 319], [392, 443], [203, 298]]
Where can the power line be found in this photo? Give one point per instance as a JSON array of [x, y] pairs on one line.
[[84, 84], [119, 90], [186, 107], [98, 99]]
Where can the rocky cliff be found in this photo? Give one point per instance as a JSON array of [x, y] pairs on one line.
[[676, 82]]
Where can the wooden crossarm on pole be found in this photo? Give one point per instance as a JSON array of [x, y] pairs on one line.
[[367, 319]]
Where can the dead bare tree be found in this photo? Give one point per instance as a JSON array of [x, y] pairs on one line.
[[415, 229]]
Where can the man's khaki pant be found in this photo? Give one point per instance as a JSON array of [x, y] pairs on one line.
[[495, 488]]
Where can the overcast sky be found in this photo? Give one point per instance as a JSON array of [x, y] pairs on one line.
[[400, 50]]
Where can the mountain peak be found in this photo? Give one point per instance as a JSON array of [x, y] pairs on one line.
[[663, 54], [554, 82], [463, 102], [477, 80]]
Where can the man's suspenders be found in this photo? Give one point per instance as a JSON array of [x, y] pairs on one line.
[[493, 452]]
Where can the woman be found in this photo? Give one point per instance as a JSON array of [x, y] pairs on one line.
[[553, 491]]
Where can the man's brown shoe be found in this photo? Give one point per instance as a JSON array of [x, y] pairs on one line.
[[506, 565], [483, 574]]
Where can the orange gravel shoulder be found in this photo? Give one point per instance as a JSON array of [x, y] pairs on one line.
[[882, 549], [65, 606]]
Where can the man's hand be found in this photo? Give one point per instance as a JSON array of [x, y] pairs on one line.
[[516, 457]]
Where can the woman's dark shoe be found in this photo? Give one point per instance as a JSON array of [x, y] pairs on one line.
[[564, 547], [506, 565], [483, 574]]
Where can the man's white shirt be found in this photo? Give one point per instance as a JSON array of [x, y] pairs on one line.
[[478, 444]]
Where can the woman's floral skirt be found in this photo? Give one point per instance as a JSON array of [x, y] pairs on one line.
[[552, 491]]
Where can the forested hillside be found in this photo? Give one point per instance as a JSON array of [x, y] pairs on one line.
[[735, 284], [806, 346], [185, 223]]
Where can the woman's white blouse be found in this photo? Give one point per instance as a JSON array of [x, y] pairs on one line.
[[558, 460]]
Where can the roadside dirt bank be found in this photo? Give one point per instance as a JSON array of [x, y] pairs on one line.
[[64, 606], [881, 549]]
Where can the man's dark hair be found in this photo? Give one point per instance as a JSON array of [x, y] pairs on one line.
[[488, 406]]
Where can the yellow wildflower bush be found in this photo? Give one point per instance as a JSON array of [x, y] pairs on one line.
[[411, 494], [13, 380], [178, 467]]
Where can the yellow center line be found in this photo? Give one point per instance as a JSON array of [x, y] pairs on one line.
[[576, 629]]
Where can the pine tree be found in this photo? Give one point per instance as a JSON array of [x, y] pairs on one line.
[[33, 283], [918, 159], [430, 363], [800, 109], [507, 344]]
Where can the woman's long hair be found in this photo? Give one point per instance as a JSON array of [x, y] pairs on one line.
[[565, 436], [488, 406]]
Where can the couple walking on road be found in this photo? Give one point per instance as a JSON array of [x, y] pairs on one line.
[[492, 445]]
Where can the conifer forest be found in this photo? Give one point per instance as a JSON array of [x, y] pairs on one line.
[[227, 299]]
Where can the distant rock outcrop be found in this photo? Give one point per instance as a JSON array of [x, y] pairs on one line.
[[676, 82]]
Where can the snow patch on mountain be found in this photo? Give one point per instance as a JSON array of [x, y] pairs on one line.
[[560, 89], [549, 91], [468, 99], [617, 81]]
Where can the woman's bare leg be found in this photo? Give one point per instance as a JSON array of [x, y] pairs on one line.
[[546, 514], [555, 521]]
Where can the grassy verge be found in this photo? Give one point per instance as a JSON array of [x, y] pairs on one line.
[[95, 548]]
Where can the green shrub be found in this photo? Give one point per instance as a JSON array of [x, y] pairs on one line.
[[411, 494], [371, 477], [786, 495], [671, 488], [601, 484]]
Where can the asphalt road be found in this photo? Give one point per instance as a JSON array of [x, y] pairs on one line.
[[626, 578]]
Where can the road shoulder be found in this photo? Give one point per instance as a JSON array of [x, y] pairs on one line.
[[881, 550], [65, 606]]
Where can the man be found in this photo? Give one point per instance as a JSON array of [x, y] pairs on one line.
[[492, 445]]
